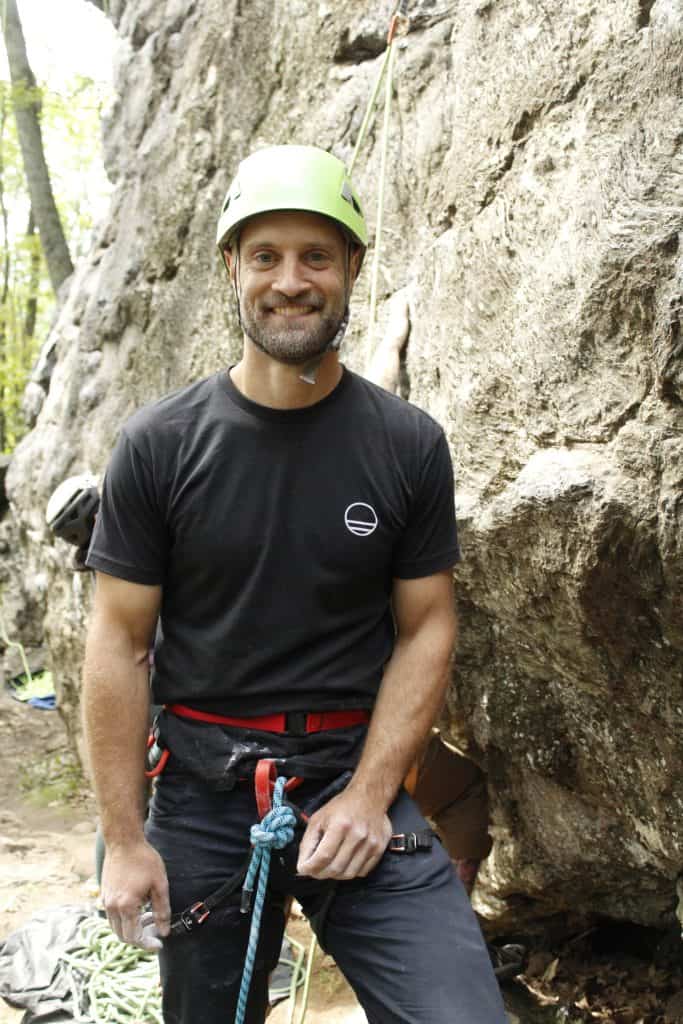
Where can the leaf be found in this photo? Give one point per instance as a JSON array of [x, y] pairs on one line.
[[550, 971]]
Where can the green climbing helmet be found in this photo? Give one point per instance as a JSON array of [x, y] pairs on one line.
[[291, 178]]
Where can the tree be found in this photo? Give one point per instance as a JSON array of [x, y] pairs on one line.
[[69, 123], [27, 108]]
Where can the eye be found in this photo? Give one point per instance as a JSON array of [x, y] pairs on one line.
[[263, 259], [317, 257]]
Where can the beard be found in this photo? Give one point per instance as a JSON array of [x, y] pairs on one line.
[[291, 343]]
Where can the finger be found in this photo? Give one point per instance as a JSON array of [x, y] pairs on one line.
[[115, 923], [149, 937], [362, 863], [130, 927], [309, 844], [332, 856], [366, 865], [161, 906], [369, 856]]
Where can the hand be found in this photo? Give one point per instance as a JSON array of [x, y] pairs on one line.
[[132, 876], [345, 838]]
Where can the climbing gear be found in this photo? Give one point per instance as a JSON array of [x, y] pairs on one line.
[[291, 178], [265, 780], [264, 785], [197, 912], [275, 831], [72, 508], [411, 842], [111, 980], [157, 754], [296, 723], [222, 755], [295, 178], [399, 24]]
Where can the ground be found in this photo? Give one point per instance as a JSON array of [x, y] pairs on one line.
[[47, 827]]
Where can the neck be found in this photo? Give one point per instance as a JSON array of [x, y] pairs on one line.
[[277, 385]]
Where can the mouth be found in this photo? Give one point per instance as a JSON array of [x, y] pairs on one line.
[[290, 312]]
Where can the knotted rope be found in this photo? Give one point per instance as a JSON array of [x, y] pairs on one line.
[[275, 831]]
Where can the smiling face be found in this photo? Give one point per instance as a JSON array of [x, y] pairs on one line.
[[293, 281]]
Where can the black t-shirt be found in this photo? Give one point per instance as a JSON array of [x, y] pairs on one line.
[[275, 535]]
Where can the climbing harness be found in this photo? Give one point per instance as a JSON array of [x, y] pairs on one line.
[[275, 831], [399, 24], [298, 723], [286, 723]]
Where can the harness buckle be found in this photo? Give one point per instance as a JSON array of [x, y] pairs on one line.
[[296, 723], [404, 842], [411, 842], [194, 915]]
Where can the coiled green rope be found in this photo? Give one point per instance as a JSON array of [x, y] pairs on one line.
[[111, 982]]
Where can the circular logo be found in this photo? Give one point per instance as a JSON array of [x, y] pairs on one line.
[[361, 519]]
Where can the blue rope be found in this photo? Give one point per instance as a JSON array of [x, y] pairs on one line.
[[274, 832]]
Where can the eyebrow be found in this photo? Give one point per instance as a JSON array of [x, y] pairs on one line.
[[266, 244]]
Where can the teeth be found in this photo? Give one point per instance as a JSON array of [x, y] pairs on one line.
[[292, 310]]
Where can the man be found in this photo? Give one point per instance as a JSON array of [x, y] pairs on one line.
[[293, 527]]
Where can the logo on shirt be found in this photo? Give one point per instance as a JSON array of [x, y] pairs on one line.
[[361, 519]]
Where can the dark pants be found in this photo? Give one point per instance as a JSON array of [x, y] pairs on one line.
[[405, 937]]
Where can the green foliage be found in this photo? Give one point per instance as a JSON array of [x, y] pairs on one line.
[[70, 123]]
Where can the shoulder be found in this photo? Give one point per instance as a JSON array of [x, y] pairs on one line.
[[400, 419], [171, 415]]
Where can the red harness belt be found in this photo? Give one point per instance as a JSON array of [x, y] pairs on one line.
[[266, 773], [318, 721]]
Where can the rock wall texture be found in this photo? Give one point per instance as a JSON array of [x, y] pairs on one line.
[[534, 213]]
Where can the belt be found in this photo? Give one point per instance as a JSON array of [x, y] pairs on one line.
[[296, 723]]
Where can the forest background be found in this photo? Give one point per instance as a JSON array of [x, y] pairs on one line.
[[66, 85]]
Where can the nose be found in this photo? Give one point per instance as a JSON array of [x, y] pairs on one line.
[[290, 279]]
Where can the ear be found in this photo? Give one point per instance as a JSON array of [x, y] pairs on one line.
[[230, 263], [355, 260]]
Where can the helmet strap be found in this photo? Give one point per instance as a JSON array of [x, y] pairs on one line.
[[235, 284]]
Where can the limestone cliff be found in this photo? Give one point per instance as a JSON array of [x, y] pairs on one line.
[[534, 212]]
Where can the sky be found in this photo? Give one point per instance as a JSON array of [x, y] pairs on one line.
[[65, 38]]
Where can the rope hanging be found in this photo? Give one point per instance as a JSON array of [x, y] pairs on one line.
[[399, 21], [275, 831]]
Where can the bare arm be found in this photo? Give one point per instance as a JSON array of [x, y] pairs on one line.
[[116, 719], [346, 837]]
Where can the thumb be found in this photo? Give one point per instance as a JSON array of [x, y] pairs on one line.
[[161, 906]]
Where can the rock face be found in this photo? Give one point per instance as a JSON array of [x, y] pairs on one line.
[[534, 212]]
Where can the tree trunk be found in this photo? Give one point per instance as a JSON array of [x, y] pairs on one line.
[[26, 112], [4, 219], [31, 312]]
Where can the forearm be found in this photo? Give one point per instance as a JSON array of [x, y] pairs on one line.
[[410, 698], [116, 721]]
